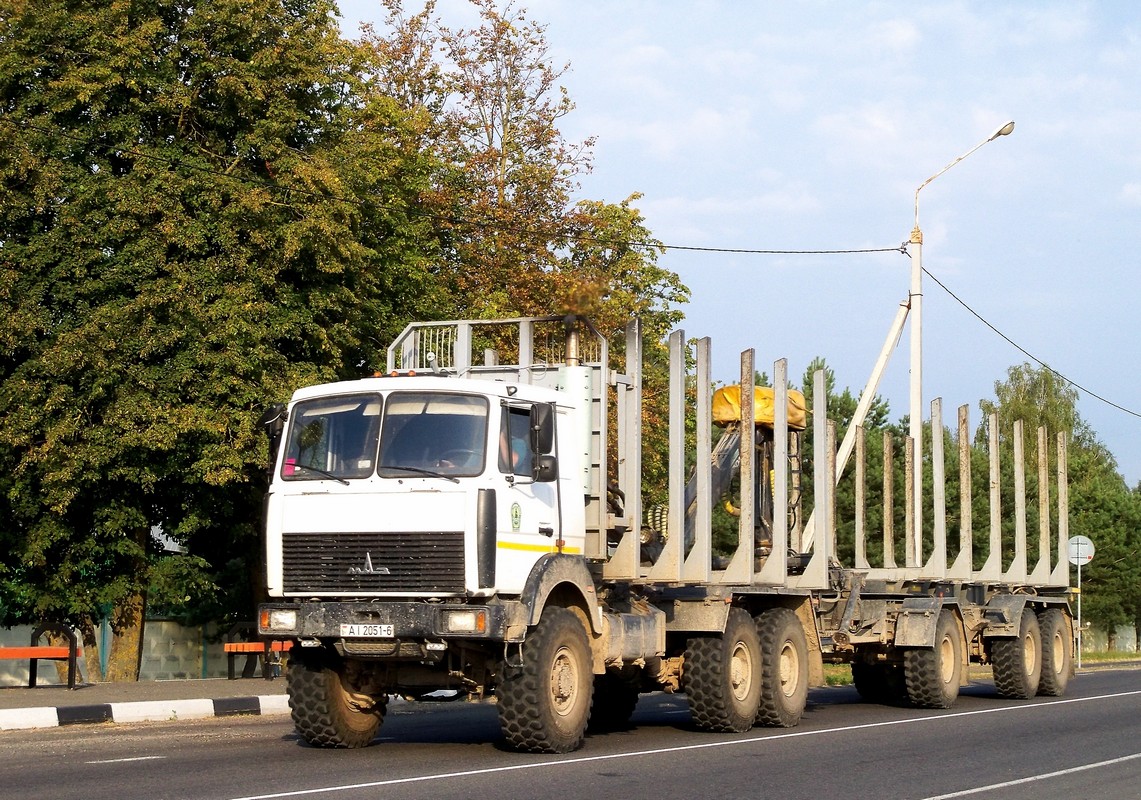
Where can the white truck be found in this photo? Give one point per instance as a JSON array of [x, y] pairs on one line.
[[476, 525]]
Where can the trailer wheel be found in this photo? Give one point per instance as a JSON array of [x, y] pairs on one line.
[[1057, 653], [325, 711], [1018, 661], [932, 675], [722, 676], [784, 668], [544, 704], [615, 698]]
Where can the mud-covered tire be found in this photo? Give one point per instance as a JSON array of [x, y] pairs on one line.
[[1057, 653], [932, 675], [1017, 662], [544, 704], [325, 711], [721, 676], [615, 698], [784, 668]]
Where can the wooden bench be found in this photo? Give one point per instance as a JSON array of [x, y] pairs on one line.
[[264, 649], [36, 653]]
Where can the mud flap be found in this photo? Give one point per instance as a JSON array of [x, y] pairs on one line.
[[918, 618]]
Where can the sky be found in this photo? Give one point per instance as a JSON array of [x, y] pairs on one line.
[[809, 126]]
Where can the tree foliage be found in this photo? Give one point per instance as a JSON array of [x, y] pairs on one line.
[[514, 242], [199, 212], [1101, 506], [207, 204]]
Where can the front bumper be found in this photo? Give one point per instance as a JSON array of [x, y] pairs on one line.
[[409, 621]]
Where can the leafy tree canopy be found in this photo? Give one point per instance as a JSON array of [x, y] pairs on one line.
[[200, 211]]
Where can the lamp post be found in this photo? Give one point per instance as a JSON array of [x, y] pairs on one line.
[[915, 302]]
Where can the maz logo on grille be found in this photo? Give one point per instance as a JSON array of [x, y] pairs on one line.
[[368, 568]]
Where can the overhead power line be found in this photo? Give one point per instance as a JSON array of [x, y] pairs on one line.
[[1026, 352], [900, 249], [582, 237], [324, 194]]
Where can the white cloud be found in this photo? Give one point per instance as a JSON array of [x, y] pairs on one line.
[[678, 134], [1131, 194], [897, 35]]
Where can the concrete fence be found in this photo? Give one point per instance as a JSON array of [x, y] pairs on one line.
[[170, 652]]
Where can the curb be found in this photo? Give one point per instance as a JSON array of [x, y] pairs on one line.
[[146, 711]]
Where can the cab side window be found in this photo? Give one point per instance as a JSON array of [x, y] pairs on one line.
[[515, 442]]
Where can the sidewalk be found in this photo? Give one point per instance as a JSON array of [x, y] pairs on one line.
[[144, 701]]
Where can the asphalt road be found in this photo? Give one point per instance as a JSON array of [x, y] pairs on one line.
[[1085, 745]]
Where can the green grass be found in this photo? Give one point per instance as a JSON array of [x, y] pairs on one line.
[[837, 675], [1112, 655]]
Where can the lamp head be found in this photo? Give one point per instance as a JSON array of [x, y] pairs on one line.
[[1003, 131]]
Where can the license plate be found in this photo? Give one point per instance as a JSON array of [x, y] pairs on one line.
[[368, 631]]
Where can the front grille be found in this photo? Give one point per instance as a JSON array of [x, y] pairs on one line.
[[398, 649], [391, 561]]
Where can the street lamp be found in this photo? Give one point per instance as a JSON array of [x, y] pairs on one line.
[[915, 303]]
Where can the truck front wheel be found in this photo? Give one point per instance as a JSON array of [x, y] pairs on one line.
[[544, 703], [327, 712]]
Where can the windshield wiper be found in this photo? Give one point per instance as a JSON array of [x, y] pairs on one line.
[[320, 471], [420, 471]]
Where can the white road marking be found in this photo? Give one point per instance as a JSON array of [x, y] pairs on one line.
[[123, 760], [680, 748], [1020, 781]]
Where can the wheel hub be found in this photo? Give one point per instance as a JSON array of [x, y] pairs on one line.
[[789, 669], [741, 671], [564, 679]]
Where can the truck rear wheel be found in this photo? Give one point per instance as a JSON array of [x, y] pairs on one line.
[[1017, 662], [784, 668], [722, 676], [325, 711], [544, 704], [932, 675], [1057, 653]]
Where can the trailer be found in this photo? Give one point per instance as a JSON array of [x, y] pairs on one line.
[[471, 522]]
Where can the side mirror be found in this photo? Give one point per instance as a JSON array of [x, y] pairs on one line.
[[542, 428], [273, 423], [544, 469]]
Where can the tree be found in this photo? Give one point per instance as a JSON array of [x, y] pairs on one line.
[[1101, 505], [201, 209], [841, 408], [514, 243]]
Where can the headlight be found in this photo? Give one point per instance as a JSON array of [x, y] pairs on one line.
[[279, 619], [465, 621]]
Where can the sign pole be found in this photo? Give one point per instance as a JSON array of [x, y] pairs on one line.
[[1080, 550], [1079, 613]]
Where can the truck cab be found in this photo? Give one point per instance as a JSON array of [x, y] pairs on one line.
[[420, 487]]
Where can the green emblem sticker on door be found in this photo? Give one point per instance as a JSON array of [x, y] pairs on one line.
[[516, 516]]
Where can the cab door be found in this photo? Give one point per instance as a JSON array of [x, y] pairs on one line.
[[527, 513]]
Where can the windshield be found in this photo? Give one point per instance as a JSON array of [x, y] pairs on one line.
[[434, 433], [332, 437]]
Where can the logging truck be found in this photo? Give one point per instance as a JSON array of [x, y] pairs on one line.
[[470, 522]]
